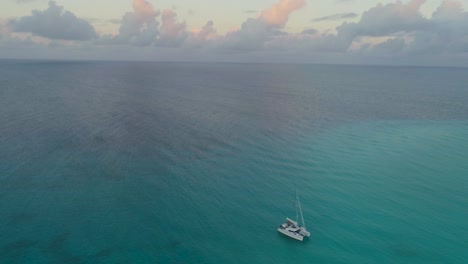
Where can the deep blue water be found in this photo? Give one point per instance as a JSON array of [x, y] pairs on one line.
[[198, 163]]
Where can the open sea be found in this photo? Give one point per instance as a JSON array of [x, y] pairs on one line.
[[109, 162]]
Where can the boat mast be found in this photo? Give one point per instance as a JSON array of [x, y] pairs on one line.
[[297, 211], [300, 209]]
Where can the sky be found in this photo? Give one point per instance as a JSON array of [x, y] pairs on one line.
[[389, 32]]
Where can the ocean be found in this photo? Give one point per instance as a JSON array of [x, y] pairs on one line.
[[133, 162]]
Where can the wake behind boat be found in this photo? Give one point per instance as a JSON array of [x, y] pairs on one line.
[[292, 228]]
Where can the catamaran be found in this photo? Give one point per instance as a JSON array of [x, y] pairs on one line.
[[291, 228]]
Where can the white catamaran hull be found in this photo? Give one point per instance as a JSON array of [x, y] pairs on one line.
[[291, 228], [291, 234]]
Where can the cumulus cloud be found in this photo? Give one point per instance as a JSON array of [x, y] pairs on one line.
[[173, 33], [208, 31], [396, 29], [448, 29], [381, 20], [445, 32], [251, 36], [254, 32], [54, 23], [387, 19], [139, 27], [142, 27], [278, 14], [199, 38], [390, 46], [143, 11]]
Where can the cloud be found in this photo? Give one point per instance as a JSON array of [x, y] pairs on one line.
[[390, 46], [278, 14], [251, 36], [173, 34], [10, 44], [144, 12], [309, 31], [54, 23], [142, 28], [208, 31], [447, 31], [393, 30], [387, 19], [139, 27], [254, 32], [443, 33], [201, 37], [411, 34], [336, 17], [381, 20]]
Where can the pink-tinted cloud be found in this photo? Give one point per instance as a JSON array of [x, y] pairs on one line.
[[396, 28], [278, 14], [206, 33], [255, 32], [144, 11], [415, 5], [173, 33], [139, 27]]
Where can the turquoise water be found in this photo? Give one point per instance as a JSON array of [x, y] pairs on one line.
[[198, 163]]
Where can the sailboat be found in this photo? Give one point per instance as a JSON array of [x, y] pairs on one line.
[[292, 228]]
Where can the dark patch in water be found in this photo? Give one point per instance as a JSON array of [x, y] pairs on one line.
[[56, 248], [20, 218], [173, 244], [16, 247], [68, 258], [104, 253], [56, 244]]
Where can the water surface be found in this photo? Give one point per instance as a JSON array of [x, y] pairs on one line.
[[198, 163]]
